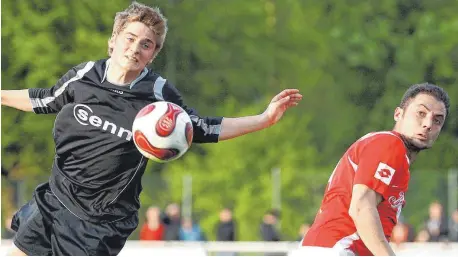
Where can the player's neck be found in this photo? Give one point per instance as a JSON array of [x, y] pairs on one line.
[[412, 156], [412, 150], [117, 75]]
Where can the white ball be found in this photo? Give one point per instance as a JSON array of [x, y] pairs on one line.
[[162, 131]]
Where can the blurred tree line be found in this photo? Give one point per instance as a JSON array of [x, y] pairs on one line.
[[352, 60]]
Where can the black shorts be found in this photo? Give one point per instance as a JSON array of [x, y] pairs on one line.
[[45, 227]]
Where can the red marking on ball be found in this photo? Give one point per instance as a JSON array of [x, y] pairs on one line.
[[168, 121], [189, 132], [145, 145], [145, 110]]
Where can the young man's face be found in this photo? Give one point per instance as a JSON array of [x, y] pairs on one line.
[[421, 121], [134, 47]]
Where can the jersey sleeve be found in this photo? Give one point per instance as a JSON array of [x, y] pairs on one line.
[[381, 162], [51, 100], [206, 129]]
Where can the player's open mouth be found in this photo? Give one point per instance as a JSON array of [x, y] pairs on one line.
[[131, 59]]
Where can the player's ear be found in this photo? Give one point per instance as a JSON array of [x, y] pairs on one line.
[[398, 113], [111, 41]]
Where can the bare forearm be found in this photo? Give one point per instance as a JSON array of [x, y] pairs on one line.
[[234, 127], [369, 227], [18, 99]]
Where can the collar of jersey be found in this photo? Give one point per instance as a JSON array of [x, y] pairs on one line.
[[142, 75]]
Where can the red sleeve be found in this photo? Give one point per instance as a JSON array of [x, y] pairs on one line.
[[381, 161]]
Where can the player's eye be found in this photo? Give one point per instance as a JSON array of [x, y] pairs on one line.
[[422, 114], [438, 121], [145, 46], [130, 39]]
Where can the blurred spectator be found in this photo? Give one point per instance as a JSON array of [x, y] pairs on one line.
[[153, 229], [454, 227], [408, 229], [190, 231], [4, 172], [422, 236], [303, 229], [436, 225], [225, 229], [172, 220], [8, 233], [269, 231], [400, 233], [410, 232]]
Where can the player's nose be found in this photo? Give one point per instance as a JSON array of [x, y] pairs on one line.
[[135, 48], [427, 123]]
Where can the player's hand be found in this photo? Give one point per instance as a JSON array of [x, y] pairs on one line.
[[280, 103]]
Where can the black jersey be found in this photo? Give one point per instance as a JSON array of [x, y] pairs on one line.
[[97, 169]]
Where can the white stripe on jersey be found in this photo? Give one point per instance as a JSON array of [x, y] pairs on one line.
[[157, 87], [378, 133], [209, 129], [38, 102], [142, 75], [79, 75], [353, 165]]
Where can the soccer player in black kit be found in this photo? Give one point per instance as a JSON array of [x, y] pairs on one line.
[[90, 204]]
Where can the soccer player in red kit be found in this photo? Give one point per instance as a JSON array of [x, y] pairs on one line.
[[366, 191]]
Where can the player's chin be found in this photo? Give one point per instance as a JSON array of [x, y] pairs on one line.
[[422, 144], [134, 66]]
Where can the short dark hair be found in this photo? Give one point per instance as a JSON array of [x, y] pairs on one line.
[[429, 89], [274, 212]]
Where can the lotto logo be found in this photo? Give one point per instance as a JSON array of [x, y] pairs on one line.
[[384, 173]]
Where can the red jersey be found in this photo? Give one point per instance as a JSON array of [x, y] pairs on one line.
[[378, 160], [146, 233]]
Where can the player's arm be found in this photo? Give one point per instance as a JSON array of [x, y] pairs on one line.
[[235, 127], [18, 99], [45, 100], [214, 129], [381, 162], [363, 211]]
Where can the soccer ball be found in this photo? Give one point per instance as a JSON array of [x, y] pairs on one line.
[[162, 131]]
